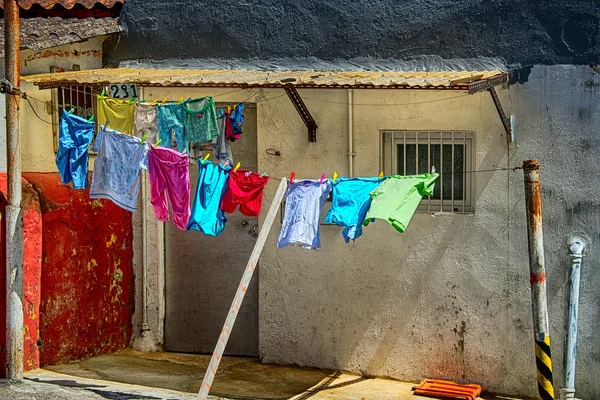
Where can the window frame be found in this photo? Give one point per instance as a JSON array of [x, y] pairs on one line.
[[389, 139]]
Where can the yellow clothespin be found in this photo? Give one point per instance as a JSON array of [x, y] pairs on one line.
[[228, 109], [381, 175], [206, 157], [180, 100], [237, 166], [164, 101], [334, 176], [153, 102]]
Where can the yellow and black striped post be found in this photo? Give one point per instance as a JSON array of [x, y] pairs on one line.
[[537, 271], [543, 362]]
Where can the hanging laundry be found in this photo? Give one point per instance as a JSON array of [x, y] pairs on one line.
[[351, 201], [229, 134], [220, 144], [200, 120], [145, 120], [398, 197], [118, 112], [171, 126], [207, 217], [170, 178], [117, 168], [305, 201], [246, 189], [237, 120], [75, 135]]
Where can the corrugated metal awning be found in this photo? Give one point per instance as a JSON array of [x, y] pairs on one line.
[[472, 81]]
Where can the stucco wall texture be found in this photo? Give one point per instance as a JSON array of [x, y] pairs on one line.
[[87, 273], [523, 32], [449, 298], [32, 268]]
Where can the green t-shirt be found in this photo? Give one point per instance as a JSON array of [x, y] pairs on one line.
[[398, 197]]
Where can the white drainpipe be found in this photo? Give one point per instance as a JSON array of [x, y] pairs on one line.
[[145, 326], [576, 248], [350, 133]]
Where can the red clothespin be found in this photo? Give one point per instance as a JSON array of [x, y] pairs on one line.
[[292, 175], [322, 178]]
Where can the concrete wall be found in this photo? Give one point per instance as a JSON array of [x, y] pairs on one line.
[[32, 267], [449, 298], [311, 33], [87, 273]]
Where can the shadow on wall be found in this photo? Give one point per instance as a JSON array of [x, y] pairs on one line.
[[87, 273]]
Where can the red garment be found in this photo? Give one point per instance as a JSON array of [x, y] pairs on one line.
[[246, 189], [229, 133]]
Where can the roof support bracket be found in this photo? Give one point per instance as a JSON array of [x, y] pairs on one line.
[[303, 111], [506, 120]]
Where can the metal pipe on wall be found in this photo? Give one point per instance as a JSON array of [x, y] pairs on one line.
[[14, 216], [576, 249], [350, 133], [537, 271], [145, 326]]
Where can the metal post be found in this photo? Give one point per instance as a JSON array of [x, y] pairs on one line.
[[537, 270], [576, 247], [14, 221], [211, 371]]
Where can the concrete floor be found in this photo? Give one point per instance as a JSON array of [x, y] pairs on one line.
[[178, 376]]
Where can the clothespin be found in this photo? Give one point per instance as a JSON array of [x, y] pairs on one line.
[[164, 101], [141, 101], [189, 98], [334, 176], [102, 94], [234, 106], [322, 178], [153, 102], [90, 119], [143, 137], [433, 169], [157, 143], [292, 177], [206, 158], [180, 100], [237, 166], [106, 124], [72, 110], [381, 175], [132, 100], [226, 163], [264, 174], [228, 109]]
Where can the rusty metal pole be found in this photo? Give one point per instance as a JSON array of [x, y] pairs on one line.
[[14, 219], [537, 271]]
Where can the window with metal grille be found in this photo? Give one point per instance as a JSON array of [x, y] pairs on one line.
[[451, 153], [81, 99]]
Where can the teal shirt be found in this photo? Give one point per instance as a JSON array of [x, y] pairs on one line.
[[398, 197], [207, 217]]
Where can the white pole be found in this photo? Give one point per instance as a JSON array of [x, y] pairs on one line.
[[209, 376]]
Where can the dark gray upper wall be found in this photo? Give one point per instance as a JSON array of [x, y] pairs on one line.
[[519, 31]]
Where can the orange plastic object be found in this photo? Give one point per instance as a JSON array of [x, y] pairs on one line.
[[447, 390]]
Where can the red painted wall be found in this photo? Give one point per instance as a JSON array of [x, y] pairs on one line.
[[87, 273], [32, 264]]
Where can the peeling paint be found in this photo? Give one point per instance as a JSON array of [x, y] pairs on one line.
[[86, 300]]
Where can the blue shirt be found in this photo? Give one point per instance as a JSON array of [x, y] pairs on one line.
[[207, 216], [303, 206], [117, 168], [75, 135], [351, 201]]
